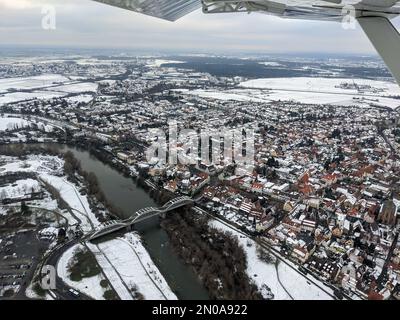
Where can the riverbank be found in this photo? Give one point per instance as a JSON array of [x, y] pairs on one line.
[[212, 254], [49, 170], [129, 195], [133, 275]]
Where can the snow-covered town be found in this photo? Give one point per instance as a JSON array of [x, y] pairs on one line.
[[317, 216]]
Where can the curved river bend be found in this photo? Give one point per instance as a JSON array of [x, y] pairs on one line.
[[124, 194]]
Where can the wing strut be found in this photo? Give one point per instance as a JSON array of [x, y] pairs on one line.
[[386, 40]]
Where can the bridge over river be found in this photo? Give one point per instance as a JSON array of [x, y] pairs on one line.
[[139, 216]]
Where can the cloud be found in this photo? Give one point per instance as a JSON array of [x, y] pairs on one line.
[[20, 4], [85, 23]]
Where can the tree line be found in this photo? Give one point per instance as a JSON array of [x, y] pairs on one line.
[[217, 257]]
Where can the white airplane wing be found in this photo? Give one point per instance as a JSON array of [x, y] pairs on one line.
[[307, 9], [170, 10], [373, 15]]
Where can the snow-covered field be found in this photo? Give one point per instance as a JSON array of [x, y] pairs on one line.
[[19, 189], [309, 91], [33, 163], [49, 169], [81, 98], [328, 90], [23, 96], [42, 81], [12, 123], [271, 64], [89, 286], [43, 87], [326, 85], [293, 285], [78, 87], [235, 95], [158, 62], [127, 264]]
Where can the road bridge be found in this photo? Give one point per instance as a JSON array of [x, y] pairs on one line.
[[140, 216]]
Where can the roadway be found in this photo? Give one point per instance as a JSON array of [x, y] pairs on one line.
[[139, 216], [62, 291]]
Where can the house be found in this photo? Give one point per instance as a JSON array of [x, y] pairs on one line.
[[329, 179], [122, 156], [387, 214], [303, 252], [171, 186], [266, 221], [257, 187], [288, 206], [313, 202], [245, 207]]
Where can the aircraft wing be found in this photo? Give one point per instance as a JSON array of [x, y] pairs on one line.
[[296, 9], [373, 15], [330, 10], [170, 10]]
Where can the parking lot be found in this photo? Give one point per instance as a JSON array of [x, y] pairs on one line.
[[20, 253]]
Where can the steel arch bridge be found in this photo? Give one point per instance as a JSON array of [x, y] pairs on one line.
[[139, 216]]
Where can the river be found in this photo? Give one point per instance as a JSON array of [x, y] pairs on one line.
[[124, 194]]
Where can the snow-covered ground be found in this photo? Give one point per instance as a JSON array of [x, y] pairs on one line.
[[49, 204], [49, 169], [158, 62], [78, 203], [127, 264], [35, 82], [19, 188], [12, 123], [3, 211], [33, 163], [309, 91], [43, 87], [289, 285], [89, 286], [328, 90], [326, 85], [4, 289], [78, 87], [235, 95], [81, 98], [271, 64], [23, 96], [30, 293], [125, 261]]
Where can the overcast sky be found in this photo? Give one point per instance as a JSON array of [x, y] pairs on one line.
[[85, 23]]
